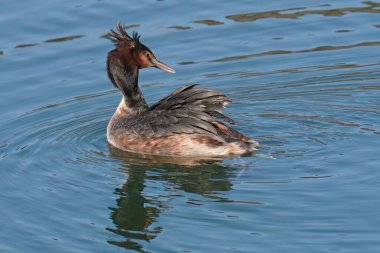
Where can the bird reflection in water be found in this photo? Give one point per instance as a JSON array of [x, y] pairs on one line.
[[137, 211]]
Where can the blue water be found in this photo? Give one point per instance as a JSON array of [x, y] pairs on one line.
[[304, 78]]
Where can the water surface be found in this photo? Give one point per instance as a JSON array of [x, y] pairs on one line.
[[304, 80]]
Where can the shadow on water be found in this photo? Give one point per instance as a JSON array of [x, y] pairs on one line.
[[136, 213]]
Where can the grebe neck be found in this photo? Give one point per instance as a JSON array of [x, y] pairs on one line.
[[126, 80]]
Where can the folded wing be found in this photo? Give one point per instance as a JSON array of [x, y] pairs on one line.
[[188, 110]]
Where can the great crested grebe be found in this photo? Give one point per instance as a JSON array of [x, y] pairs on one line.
[[183, 123]]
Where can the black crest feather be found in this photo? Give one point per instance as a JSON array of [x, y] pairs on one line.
[[120, 37]]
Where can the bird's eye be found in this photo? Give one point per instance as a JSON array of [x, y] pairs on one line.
[[147, 55]]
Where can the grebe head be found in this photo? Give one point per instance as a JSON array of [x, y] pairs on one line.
[[133, 51]]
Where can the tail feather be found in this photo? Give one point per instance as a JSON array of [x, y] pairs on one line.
[[235, 137]]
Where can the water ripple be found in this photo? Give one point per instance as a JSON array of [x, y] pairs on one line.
[[44, 130]]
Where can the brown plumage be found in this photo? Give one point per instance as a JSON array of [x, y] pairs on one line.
[[183, 123]]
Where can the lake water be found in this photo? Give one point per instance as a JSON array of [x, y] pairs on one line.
[[304, 78]]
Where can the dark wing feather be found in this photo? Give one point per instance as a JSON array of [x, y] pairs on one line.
[[188, 109]]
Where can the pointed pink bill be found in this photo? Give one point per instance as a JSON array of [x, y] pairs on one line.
[[162, 66]]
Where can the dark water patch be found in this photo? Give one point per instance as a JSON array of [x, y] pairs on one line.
[[305, 69], [3, 154], [241, 57], [315, 177], [208, 22], [368, 129], [26, 45], [347, 66], [317, 140], [279, 14], [344, 31], [327, 48], [186, 62], [63, 39], [225, 200], [249, 17], [319, 48], [272, 182], [132, 26], [180, 27], [324, 5]]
